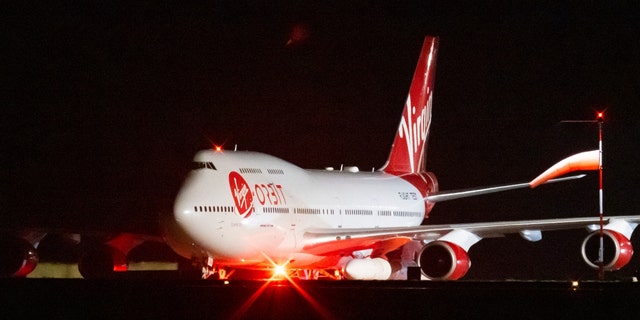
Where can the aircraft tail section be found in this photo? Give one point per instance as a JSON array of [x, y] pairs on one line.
[[408, 149]]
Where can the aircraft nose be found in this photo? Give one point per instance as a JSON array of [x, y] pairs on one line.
[[183, 208], [177, 227], [187, 199]]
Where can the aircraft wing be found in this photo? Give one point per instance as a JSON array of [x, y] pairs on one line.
[[329, 241], [383, 240]]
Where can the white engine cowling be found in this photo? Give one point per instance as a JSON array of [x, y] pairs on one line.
[[617, 250], [443, 260], [367, 269]]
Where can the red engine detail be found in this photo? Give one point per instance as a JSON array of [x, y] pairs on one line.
[[616, 254], [442, 260], [101, 262], [17, 257]]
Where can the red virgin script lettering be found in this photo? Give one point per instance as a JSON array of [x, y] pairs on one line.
[[415, 132], [241, 194]]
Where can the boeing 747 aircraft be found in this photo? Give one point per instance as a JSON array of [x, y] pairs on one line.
[[249, 210]]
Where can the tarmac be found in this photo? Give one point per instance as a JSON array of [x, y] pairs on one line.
[[156, 298]]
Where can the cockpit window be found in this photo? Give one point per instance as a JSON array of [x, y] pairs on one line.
[[203, 165]]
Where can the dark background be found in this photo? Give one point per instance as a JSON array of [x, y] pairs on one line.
[[104, 105]]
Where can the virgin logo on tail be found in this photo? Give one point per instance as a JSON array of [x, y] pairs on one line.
[[408, 151], [415, 132]]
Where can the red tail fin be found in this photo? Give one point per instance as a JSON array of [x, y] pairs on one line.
[[408, 150]]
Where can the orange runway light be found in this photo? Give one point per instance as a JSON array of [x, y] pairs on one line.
[[575, 285], [281, 272]]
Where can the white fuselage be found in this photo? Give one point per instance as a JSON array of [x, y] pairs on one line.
[[244, 208]]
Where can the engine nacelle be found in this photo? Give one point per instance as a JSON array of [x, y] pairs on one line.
[[442, 260], [367, 269], [617, 250], [18, 257], [101, 262]]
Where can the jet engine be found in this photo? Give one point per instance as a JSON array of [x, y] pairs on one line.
[[367, 269], [443, 260], [18, 257], [101, 261], [617, 250]]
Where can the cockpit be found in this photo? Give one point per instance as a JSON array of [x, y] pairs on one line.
[[196, 165]]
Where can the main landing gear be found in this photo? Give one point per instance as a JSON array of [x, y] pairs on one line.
[[209, 270]]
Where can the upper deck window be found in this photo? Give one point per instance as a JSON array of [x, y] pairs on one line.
[[250, 170], [203, 165]]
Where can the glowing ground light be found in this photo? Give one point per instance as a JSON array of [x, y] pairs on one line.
[[280, 271], [574, 285]]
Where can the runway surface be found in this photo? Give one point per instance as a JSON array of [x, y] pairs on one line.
[[176, 299]]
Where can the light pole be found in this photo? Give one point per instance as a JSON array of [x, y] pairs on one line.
[[600, 120]]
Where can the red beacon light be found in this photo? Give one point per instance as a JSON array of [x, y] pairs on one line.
[[600, 115], [217, 148]]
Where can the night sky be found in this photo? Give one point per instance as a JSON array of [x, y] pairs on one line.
[[105, 105]]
